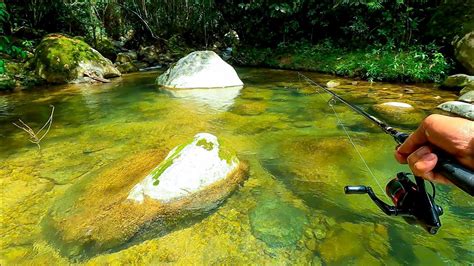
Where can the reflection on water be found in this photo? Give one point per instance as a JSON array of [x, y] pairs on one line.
[[219, 99], [291, 210]]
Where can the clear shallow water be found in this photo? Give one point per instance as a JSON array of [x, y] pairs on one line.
[[291, 210]]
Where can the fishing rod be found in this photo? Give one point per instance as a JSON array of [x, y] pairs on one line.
[[411, 199]]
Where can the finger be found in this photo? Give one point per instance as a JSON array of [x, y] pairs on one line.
[[451, 134], [422, 162], [413, 142], [400, 157]]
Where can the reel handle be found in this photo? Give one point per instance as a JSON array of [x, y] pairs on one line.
[[355, 189], [459, 175]]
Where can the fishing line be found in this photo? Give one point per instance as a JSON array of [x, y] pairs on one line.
[[339, 121]]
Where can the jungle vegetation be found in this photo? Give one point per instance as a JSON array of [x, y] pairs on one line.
[[396, 40]]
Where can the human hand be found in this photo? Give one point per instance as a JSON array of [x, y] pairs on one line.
[[453, 135]]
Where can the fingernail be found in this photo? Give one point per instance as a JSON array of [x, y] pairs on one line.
[[428, 157], [423, 151]]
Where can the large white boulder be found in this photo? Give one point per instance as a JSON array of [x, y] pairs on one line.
[[187, 169], [200, 69]]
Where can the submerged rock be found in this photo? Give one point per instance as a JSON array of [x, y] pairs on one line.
[[107, 210], [340, 247], [200, 69], [464, 51], [187, 169], [398, 113], [59, 59], [332, 83], [277, 223], [460, 108]]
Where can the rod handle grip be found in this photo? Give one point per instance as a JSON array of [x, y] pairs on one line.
[[460, 176]]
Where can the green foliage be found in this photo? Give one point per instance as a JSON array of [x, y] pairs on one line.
[[422, 63], [8, 48], [2, 67], [377, 39], [4, 17]]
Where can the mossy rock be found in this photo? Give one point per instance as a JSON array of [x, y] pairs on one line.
[[127, 67], [457, 81], [126, 57], [105, 211], [464, 51], [60, 59], [106, 48]]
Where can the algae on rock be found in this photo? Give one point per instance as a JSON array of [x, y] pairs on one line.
[[107, 209], [60, 59]]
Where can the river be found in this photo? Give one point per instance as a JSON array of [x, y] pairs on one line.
[[290, 210]]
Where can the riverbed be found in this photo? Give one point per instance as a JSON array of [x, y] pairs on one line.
[[294, 139]]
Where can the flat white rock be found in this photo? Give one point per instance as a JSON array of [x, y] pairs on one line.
[[187, 169], [200, 69]]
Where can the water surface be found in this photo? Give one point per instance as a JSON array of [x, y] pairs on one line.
[[299, 155]]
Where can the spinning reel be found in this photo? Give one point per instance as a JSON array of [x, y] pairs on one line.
[[411, 201]]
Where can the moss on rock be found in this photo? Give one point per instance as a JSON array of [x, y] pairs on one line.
[[60, 59]]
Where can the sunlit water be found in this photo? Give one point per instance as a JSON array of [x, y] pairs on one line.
[[291, 209]]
